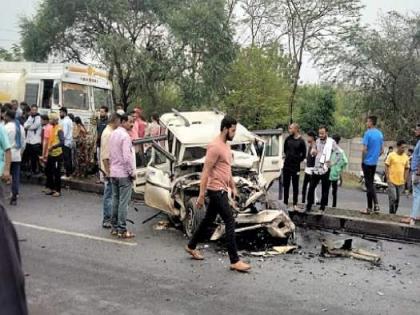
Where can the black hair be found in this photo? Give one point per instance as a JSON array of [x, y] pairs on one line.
[[64, 110], [323, 127], [114, 117], [6, 107], [155, 116], [124, 118], [23, 104], [337, 138], [105, 108], [45, 117], [71, 116], [34, 105], [312, 134], [373, 119], [401, 142], [411, 150], [391, 147], [11, 114], [78, 121], [228, 122]]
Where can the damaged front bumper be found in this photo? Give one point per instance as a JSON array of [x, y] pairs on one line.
[[277, 223]]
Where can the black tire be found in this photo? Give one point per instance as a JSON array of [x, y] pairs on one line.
[[193, 217]]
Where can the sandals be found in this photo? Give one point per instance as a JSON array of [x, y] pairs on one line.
[[126, 235], [366, 211], [56, 194], [195, 254]]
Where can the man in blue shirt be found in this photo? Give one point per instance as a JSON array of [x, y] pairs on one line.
[[373, 141], [415, 171], [67, 126]]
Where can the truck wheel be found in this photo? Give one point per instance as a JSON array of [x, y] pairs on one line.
[[193, 217]]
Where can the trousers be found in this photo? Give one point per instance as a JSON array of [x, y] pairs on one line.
[[369, 175], [290, 176]]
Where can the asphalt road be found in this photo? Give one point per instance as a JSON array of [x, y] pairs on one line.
[[72, 266]]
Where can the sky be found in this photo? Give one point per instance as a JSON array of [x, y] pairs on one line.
[[12, 10]]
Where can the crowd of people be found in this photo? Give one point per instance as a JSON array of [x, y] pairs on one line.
[[325, 161], [59, 143]]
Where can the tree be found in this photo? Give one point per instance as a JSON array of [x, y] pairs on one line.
[[145, 44], [258, 86], [14, 54], [384, 65], [316, 105], [316, 27]]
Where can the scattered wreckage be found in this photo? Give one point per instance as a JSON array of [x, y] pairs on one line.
[[168, 169]]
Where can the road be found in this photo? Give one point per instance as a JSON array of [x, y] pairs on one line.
[[72, 266]]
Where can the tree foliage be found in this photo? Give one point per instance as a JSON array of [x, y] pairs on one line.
[[317, 105], [384, 65], [259, 85], [13, 54], [145, 44]]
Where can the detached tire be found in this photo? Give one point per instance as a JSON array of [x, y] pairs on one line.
[[193, 217]]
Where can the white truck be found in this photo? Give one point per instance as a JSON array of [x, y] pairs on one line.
[[82, 89]]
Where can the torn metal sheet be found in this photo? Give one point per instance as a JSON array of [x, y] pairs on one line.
[[284, 249], [344, 248]]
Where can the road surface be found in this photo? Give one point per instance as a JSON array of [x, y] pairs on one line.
[[72, 266]]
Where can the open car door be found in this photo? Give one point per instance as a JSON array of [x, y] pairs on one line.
[[272, 154], [157, 192], [142, 156]]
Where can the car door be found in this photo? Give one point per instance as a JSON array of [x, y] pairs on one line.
[[142, 155], [272, 154], [157, 192]]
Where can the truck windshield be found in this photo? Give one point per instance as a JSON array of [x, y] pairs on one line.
[[75, 96], [102, 97]]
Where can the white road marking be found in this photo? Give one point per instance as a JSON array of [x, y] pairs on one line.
[[62, 232]]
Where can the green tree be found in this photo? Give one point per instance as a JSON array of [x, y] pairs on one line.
[[316, 106], [13, 54], [145, 44], [259, 85], [384, 65]]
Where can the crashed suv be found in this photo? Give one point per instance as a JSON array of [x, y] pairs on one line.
[[168, 169]]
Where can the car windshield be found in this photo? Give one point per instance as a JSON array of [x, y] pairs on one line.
[[194, 153]]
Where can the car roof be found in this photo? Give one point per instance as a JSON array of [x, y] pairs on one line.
[[201, 127]]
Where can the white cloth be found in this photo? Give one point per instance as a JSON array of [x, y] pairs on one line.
[[67, 126], [33, 126], [11, 132], [324, 149]]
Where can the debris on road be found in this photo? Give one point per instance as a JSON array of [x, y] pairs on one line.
[[162, 225], [344, 248], [284, 249]]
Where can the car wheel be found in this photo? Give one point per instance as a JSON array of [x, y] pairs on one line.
[[193, 217]]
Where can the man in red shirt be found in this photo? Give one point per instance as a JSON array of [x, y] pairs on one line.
[[217, 180]]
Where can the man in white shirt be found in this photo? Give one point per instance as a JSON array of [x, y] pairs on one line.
[[16, 135], [33, 127], [67, 127]]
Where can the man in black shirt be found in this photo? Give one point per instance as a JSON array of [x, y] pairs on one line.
[[295, 153]]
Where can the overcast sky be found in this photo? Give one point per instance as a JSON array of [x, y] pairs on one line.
[[12, 10]]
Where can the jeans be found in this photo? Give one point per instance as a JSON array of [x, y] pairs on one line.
[[325, 182], [33, 152], [369, 175], [53, 172], [415, 211], [107, 201], [218, 205], [334, 185], [394, 192], [68, 163], [306, 181], [290, 176], [15, 172], [121, 196]]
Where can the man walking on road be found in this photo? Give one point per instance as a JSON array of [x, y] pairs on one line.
[[67, 126], [122, 175], [373, 147], [397, 171], [217, 180], [33, 127], [295, 153], [321, 172], [113, 124], [16, 135], [415, 171]]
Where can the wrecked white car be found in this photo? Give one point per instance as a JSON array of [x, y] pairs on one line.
[[168, 170]]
